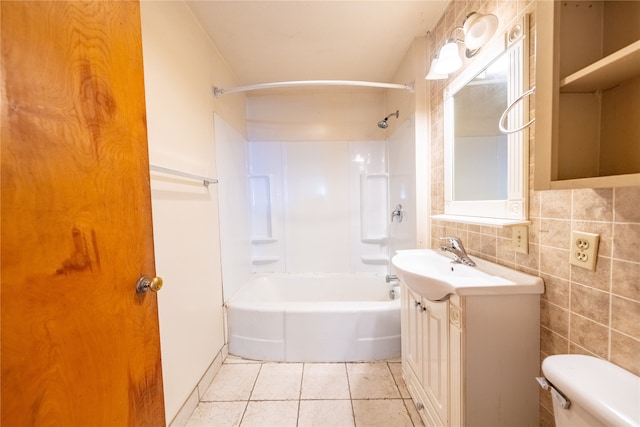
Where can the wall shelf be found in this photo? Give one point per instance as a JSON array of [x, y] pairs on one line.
[[587, 99], [374, 259], [262, 240], [264, 260], [597, 182], [373, 207], [605, 73], [477, 220], [375, 239]]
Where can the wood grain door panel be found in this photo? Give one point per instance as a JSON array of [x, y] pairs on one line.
[[79, 346]]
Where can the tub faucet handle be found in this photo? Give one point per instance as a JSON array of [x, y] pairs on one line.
[[398, 213]]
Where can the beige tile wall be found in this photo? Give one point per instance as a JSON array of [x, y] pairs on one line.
[[586, 312]]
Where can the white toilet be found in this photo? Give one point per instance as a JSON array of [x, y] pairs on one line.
[[590, 392]]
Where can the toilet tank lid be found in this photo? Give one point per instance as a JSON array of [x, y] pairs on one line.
[[608, 392]]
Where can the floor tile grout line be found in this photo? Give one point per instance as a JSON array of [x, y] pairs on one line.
[[305, 400], [395, 381], [246, 406], [299, 400], [304, 365], [404, 402], [353, 411]]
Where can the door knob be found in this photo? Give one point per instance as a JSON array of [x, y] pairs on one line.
[[145, 284]]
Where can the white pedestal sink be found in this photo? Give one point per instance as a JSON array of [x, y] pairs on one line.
[[435, 276]]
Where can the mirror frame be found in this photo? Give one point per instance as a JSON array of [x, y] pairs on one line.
[[514, 209]]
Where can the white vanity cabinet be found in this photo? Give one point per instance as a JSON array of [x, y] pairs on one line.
[[472, 361]]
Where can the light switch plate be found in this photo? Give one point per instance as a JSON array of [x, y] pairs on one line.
[[584, 249], [520, 238]]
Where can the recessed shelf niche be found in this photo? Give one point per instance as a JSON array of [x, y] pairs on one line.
[[588, 94]]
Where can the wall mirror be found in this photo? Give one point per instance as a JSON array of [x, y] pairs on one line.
[[486, 170]]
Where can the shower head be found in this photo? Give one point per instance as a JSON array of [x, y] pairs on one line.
[[382, 124]]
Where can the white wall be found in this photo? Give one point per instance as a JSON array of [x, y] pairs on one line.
[[232, 159], [303, 144], [325, 114], [414, 112], [286, 119], [180, 67], [402, 184]]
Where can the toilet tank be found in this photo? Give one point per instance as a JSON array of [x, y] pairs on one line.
[[600, 393]]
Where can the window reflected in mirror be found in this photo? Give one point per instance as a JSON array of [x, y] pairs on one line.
[[480, 149]]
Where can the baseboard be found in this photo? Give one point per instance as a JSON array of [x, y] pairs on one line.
[[190, 404]]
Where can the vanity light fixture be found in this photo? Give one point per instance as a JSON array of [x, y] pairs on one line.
[[449, 59], [478, 29], [432, 74]]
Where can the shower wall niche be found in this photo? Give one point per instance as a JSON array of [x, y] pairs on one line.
[[318, 206]]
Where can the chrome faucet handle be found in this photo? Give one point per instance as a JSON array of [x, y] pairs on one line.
[[454, 242], [456, 248], [398, 212]]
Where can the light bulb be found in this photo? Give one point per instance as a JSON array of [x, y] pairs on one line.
[[449, 58], [478, 29], [432, 75]]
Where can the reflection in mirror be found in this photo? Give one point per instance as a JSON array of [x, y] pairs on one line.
[[479, 148], [486, 171]]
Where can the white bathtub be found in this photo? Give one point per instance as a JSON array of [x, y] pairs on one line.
[[315, 318]]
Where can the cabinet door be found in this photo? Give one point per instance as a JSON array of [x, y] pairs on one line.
[[413, 345], [435, 351]]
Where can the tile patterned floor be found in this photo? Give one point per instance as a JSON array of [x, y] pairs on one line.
[[256, 394]]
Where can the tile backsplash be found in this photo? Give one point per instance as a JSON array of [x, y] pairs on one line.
[[582, 311]]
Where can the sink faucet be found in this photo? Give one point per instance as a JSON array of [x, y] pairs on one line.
[[455, 247]]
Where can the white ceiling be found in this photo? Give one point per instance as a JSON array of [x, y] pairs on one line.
[[270, 41]]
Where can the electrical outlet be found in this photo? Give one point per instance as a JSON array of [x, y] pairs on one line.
[[584, 249], [520, 238]]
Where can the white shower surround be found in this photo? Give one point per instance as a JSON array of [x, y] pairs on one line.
[[317, 210], [319, 207], [315, 318]]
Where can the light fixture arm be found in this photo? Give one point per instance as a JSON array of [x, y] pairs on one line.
[[468, 53], [452, 38]]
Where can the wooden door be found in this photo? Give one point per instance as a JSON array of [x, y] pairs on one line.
[[79, 346]]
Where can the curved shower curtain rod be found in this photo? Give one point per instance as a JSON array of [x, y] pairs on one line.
[[218, 91]]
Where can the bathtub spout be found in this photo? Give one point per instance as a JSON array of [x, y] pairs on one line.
[[390, 278]]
